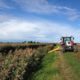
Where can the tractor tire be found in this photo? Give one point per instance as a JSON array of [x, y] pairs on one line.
[[63, 50], [72, 49], [75, 48]]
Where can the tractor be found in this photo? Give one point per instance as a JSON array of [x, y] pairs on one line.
[[68, 44]]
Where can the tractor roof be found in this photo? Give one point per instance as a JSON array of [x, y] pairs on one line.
[[67, 37]]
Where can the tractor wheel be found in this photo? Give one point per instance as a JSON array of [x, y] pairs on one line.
[[75, 48], [63, 50], [72, 49]]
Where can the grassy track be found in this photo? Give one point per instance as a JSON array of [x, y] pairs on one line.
[[74, 63], [58, 66], [66, 69], [49, 70]]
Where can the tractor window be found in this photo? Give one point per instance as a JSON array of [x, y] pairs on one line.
[[67, 39]]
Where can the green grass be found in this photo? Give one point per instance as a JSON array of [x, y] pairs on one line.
[[74, 63], [48, 70]]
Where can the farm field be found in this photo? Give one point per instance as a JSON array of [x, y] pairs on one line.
[[39, 40], [58, 66], [19, 61], [35, 63]]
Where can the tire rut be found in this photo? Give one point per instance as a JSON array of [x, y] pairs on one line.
[[65, 68]]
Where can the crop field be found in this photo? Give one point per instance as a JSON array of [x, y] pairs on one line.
[[19, 61], [33, 62]]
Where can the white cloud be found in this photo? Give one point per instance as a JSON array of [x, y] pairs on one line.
[[41, 7], [73, 14], [4, 17], [3, 5], [16, 29], [44, 7]]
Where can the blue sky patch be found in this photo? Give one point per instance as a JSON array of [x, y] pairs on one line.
[[39, 20]]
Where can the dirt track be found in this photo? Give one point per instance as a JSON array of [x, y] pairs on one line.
[[65, 69]]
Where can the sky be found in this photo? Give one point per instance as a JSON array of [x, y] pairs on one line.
[[39, 20]]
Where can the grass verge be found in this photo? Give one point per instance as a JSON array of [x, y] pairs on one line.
[[74, 63], [48, 70]]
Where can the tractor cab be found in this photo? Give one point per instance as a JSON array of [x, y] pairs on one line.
[[67, 43]]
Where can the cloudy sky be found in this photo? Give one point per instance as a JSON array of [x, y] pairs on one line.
[[39, 20]]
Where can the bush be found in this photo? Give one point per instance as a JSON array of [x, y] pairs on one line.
[[16, 65]]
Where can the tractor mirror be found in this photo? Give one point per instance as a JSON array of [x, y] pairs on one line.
[[72, 37]]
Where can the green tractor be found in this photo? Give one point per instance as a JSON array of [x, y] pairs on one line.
[[68, 44]]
